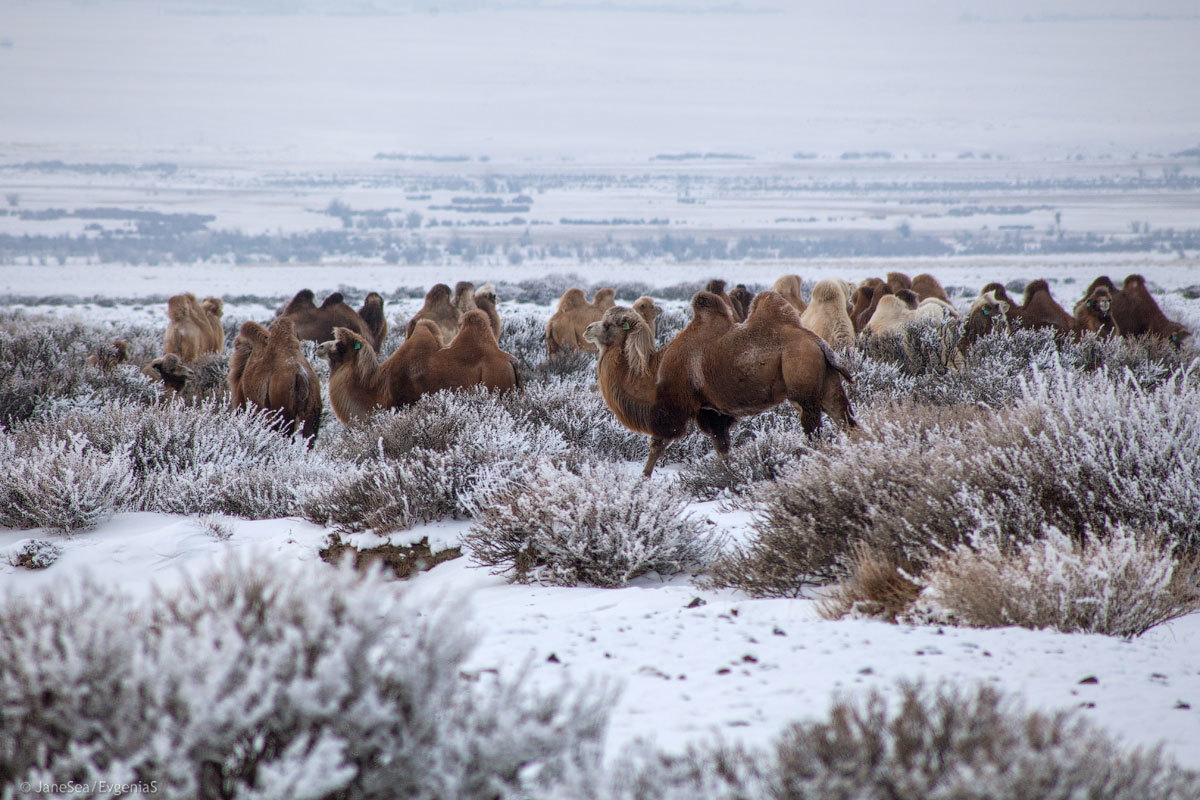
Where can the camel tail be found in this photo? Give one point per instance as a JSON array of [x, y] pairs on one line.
[[831, 358]]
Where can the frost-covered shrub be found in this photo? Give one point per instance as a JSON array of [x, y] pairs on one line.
[[1122, 584], [601, 526], [524, 336], [64, 485], [1078, 454], [387, 496], [280, 681], [762, 458], [33, 554], [927, 744]]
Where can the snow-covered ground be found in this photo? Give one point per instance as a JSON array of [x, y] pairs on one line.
[[734, 667]]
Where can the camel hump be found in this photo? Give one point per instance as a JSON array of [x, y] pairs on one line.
[[1135, 280], [1039, 285], [572, 298], [716, 286], [771, 307], [998, 291], [477, 321], [179, 308], [439, 291], [707, 303], [908, 297], [828, 291], [301, 302], [337, 298], [254, 333], [283, 330]]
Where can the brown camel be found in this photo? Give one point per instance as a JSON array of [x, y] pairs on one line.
[[898, 281], [1136, 313], [742, 299], [789, 286], [189, 331], [564, 331], [861, 297], [926, 286], [214, 309], [648, 310], [1093, 314], [878, 292], [987, 314], [464, 297], [375, 319], [485, 299], [717, 287], [110, 355], [715, 371], [1041, 310], [269, 371], [359, 383], [440, 310], [316, 324]]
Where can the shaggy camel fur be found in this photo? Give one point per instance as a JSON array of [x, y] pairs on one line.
[[189, 332], [717, 287], [1093, 314], [372, 315], [898, 281], [650, 311], [359, 383], [485, 300], [860, 299], [1040, 310], [925, 285], [1137, 313], [565, 329], [789, 287], [109, 356], [826, 315], [214, 309], [269, 371], [878, 291], [715, 371], [987, 314], [892, 314], [441, 311], [464, 297], [742, 299], [316, 324]]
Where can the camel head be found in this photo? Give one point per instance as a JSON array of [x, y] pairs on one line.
[[346, 347], [179, 307], [993, 310], [625, 328], [373, 299], [1099, 300], [486, 292], [172, 371], [1180, 336], [647, 308]]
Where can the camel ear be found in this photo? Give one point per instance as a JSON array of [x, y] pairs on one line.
[[639, 346]]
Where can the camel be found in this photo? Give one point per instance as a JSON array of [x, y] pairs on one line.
[[860, 298], [898, 281], [440, 310], [987, 314], [648, 310], [877, 292], [110, 355], [372, 315], [1093, 314], [742, 299], [1040, 310], [485, 299], [316, 324], [1136, 313], [565, 329], [925, 285], [269, 371], [892, 314], [359, 383], [717, 287], [214, 309], [716, 371], [1104, 281], [189, 331], [464, 297], [826, 315], [789, 287], [203, 379]]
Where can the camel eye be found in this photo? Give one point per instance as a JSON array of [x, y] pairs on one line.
[[624, 326]]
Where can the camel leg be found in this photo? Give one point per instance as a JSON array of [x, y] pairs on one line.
[[837, 405], [717, 426], [657, 446], [810, 417]]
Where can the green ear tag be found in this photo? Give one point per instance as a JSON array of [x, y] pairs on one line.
[[624, 326], [358, 345], [987, 313], [1089, 305]]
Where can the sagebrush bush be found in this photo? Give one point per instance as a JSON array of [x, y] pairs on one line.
[[601, 526], [764, 457], [275, 680], [942, 743], [33, 554], [1078, 454], [1121, 584]]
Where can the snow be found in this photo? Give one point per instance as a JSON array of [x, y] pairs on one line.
[[736, 667]]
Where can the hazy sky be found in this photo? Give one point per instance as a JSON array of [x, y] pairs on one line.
[[139, 77]]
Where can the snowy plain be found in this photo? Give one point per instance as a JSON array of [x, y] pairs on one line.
[[253, 107]]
